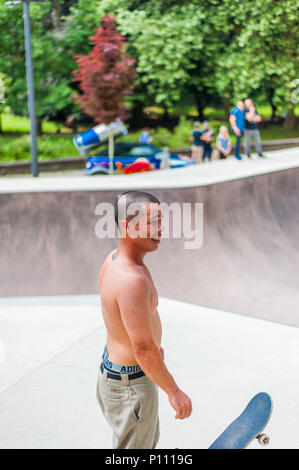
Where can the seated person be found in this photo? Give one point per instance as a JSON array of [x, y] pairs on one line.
[[223, 142]]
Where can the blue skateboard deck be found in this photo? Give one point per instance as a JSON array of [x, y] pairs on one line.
[[247, 426]]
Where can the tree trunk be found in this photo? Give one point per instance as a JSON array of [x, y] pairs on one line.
[[55, 14], [227, 107], [39, 125], [137, 116], [165, 115], [200, 103], [290, 120], [273, 106]]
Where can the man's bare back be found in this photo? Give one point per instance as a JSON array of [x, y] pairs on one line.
[[118, 270]]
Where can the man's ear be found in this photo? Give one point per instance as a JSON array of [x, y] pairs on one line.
[[123, 226]]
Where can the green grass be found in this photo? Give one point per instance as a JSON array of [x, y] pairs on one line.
[[209, 112], [20, 124], [180, 137], [18, 148], [278, 132], [15, 124], [61, 146]]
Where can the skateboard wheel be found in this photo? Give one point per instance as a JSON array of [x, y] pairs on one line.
[[263, 439]]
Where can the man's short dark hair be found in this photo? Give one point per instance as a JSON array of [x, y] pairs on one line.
[[133, 197]]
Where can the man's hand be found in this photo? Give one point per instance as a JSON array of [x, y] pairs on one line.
[[162, 353], [237, 131], [181, 403]]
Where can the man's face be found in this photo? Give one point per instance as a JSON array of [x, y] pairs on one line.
[[145, 230], [241, 105]]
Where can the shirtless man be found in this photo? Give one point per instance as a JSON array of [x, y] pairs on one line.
[[133, 361]]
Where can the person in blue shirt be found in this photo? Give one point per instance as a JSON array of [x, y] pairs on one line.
[[198, 144], [237, 121], [145, 137]]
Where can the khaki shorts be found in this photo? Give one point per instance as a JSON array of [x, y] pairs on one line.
[[131, 409], [197, 153]]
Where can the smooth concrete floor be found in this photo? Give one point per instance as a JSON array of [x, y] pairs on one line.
[[50, 351]]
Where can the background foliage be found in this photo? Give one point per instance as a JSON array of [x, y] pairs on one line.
[[189, 55]]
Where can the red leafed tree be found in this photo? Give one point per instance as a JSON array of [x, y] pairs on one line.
[[105, 75]]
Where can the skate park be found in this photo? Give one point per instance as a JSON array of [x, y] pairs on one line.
[[230, 307]]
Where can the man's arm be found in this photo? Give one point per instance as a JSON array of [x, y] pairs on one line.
[[249, 116], [209, 136], [135, 309], [253, 115], [232, 121], [203, 137]]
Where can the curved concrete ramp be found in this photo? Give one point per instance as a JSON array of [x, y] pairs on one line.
[[249, 261]]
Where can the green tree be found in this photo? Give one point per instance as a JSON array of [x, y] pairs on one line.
[[174, 46], [262, 54], [213, 48], [60, 30]]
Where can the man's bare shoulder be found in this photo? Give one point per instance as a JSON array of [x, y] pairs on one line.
[[124, 274], [133, 292], [131, 280], [132, 277]]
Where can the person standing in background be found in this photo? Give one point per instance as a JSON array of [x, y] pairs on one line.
[[207, 137], [198, 144], [237, 121], [252, 118]]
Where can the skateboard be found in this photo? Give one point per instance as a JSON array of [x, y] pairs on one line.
[[248, 426]]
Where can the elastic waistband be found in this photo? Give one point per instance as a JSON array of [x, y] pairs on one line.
[[118, 368], [118, 376]]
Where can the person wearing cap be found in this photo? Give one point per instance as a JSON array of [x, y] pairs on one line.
[[207, 137], [197, 143], [237, 121]]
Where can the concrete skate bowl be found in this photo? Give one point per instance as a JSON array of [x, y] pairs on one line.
[[248, 263]]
